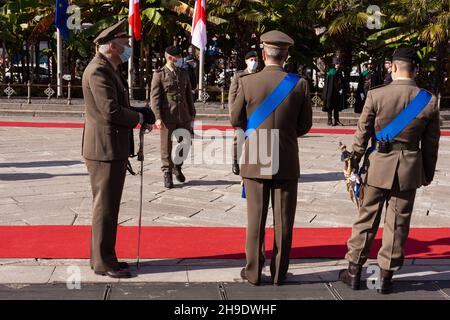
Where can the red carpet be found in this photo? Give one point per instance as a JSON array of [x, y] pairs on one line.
[[61, 242], [203, 127]]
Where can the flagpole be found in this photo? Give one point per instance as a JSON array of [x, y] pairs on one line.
[[200, 74], [130, 63], [58, 63]]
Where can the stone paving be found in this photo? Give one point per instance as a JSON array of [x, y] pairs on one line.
[[43, 181]]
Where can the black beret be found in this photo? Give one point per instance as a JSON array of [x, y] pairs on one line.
[[406, 54], [117, 30], [173, 51], [251, 54]]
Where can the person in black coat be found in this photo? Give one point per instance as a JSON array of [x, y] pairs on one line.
[[368, 79], [333, 94]]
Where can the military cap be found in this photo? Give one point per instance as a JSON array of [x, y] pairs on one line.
[[173, 51], [276, 39], [406, 54], [251, 54], [117, 30]]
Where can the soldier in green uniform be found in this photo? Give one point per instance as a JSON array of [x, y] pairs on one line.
[[108, 142], [251, 60], [173, 105], [396, 169]]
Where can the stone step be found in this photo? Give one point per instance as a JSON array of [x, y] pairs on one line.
[[80, 115]]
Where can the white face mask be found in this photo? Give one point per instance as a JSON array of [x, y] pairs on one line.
[[252, 65], [178, 62]]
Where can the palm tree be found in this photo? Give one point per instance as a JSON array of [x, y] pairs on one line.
[[423, 24]]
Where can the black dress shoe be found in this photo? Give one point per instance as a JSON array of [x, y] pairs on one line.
[[122, 265], [235, 168], [121, 273], [168, 182], [244, 277], [338, 123], [351, 276], [386, 283], [329, 122], [179, 175]]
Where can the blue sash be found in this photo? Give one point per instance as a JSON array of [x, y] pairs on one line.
[[412, 110], [396, 126], [269, 105], [272, 102]]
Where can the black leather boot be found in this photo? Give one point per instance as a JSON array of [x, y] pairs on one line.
[[168, 182], [179, 175], [235, 168], [330, 122], [386, 283], [351, 276]]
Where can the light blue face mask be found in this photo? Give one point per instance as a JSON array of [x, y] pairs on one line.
[[126, 54]]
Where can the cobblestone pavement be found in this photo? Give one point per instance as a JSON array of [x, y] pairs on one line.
[[43, 181]]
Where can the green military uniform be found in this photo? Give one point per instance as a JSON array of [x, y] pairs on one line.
[[291, 119], [392, 177], [107, 143], [172, 102]]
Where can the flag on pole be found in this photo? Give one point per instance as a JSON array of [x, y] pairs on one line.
[[199, 25], [61, 17], [134, 18]]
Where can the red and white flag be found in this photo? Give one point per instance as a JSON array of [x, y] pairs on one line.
[[134, 18], [199, 25]]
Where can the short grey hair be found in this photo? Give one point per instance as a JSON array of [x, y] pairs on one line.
[[104, 48], [405, 66], [278, 54]]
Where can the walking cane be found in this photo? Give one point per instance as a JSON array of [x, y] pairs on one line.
[[140, 157]]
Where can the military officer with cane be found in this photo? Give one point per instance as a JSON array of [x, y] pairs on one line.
[[403, 122], [271, 105], [108, 142]]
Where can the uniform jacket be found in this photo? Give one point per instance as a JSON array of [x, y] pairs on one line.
[[235, 85], [413, 168], [171, 96], [292, 118], [109, 123]]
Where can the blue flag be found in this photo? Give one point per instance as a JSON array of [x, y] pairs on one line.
[[61, 17]]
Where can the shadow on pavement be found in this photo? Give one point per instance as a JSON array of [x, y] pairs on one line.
[[321, 177], [39, 164], [35, 176], [209, 183]]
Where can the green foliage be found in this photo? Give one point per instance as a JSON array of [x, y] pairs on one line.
[[239, 23]]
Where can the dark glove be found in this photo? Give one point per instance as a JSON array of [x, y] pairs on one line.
[[149, 116]]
